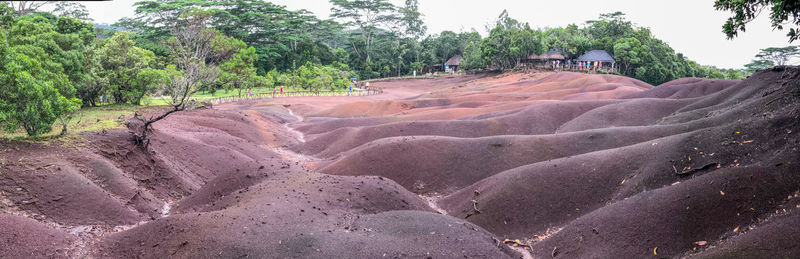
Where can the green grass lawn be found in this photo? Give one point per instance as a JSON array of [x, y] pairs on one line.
[[104, 117], [224, 93], [107, 116]]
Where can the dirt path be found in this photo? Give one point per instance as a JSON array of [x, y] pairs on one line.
[[300, 136]]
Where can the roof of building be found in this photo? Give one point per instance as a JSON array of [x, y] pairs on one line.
[[553, 54], [597, 55], [453, 61], [534, 56]]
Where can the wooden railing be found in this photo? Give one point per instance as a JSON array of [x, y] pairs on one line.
[[218, 100]]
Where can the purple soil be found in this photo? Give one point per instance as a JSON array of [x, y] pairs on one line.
[[573, 165], [533, 185], [26, 238]]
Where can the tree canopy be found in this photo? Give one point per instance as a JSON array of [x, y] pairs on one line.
[[783, 13], [779, 56], [175, 48], [33, 94]]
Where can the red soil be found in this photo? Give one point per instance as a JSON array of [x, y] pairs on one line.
[[573, 165]]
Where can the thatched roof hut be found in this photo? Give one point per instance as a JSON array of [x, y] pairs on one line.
[[550, 55], [597, 55], [453, 61], [555, 55], [537, 57]]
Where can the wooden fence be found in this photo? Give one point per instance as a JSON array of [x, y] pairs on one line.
[[218, 100]]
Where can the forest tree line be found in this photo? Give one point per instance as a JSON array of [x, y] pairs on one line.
[[55, 63], [376, 38]]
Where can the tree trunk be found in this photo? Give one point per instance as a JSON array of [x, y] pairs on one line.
[[140, 134]]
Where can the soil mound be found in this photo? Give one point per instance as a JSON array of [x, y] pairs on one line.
[[27, 238], [548, 117], [314, 216], [657, 165], [563, 165], [685, 88]]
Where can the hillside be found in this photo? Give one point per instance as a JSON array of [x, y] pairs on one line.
[[572, 165]]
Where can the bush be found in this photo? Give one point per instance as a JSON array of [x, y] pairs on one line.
[[29, 99]]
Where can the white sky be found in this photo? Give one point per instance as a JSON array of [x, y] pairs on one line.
[[691, 27]]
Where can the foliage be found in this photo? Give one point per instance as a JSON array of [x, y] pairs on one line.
[[6, 16], [145, 82], [472, 58], [120, 65], [782, 13], [628, 51], [411, 19], [238, 71], [322, 78], [22, 8], [72, 9], [31, 97], [637, 52], [43, 64], [779, 56], [197, 51], [58, 47], [756, 65], [376, 38], [366, 15], [178, 47], [279, 36]]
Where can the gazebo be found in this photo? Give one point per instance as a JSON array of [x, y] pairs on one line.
[[595, 59], [452, 64]]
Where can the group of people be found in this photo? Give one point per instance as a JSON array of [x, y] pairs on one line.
[[589, 65], [364, 85], [579, 65], [275, 90], [279, 90]]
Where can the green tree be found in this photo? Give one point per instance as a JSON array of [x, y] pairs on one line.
[[95, 79], [446, 45], [628, 51], [366, 15], [782, 13], [22, 8], [197, 51], [238, 71], [122, 61], [756, 65], [72, 9], [473, 58], [147, 81], [279, 36], [6, 16], [30, 96], [59, 53], [411, 19], [779, 56], [60, 47], [68, 25]]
